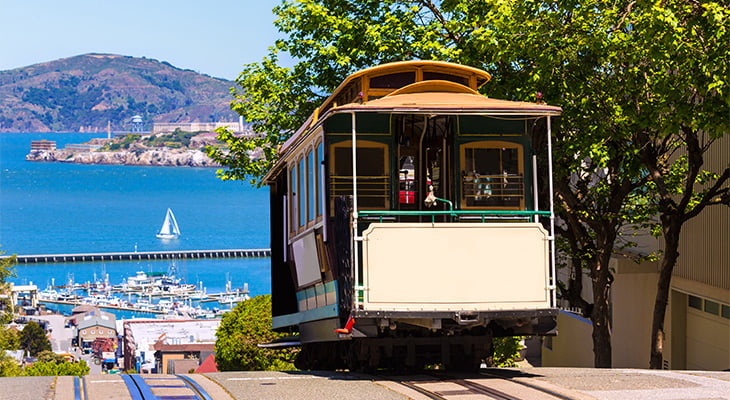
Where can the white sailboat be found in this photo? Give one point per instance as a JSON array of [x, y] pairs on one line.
[[169, 229]]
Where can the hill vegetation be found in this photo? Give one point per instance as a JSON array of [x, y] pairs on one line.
[[82, 93]]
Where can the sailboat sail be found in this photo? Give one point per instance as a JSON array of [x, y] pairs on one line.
[[169, 229]]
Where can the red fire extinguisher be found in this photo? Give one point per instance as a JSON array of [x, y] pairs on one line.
[[407, 182]]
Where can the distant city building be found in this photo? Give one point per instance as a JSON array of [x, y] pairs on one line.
[[181, 358], [95, 324], [42, 145], [137, 124], [82, 147], [235, 127], [173, 339]]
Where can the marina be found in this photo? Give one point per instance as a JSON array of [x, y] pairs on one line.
[[154, 293]]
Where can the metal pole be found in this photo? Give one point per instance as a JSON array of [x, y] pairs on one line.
[[535, 206], [286, 227], [356, 256], [554, 282], [322, 199]]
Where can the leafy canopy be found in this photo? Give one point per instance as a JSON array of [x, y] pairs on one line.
[[33, 339], [241, 330]]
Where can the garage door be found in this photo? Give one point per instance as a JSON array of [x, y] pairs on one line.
[[708, 335]]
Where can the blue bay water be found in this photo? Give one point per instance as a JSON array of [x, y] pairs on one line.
[[57, 208]]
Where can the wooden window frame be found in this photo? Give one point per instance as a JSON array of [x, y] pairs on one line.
[[293, 200], [361, 143], [302, 181], [492, 144]]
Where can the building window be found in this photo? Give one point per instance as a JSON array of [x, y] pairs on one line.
[[712, 307], [726, 311], [93, 331], [83, 332], [695, 302], [109, 331], [492, 175]]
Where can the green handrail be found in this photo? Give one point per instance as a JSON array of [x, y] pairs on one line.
[[453, 212]]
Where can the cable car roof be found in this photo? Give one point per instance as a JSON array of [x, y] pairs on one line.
[[447, 98]]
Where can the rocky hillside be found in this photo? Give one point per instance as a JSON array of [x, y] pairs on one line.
[[82, 93]]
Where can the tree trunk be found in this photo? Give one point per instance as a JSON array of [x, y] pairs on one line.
[[671, 244], [601, 329], [601, 314]]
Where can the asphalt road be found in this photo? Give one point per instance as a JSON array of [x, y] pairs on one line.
[[571, 383]]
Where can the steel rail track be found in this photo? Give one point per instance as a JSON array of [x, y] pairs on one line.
[[141, 389], [472, 388], [531, 386]]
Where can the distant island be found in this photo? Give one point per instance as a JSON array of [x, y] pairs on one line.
[[175, 149], [86, 93]]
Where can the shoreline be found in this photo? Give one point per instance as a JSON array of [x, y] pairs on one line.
[[157, 157]]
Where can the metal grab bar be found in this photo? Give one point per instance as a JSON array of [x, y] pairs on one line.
[[455, 213]]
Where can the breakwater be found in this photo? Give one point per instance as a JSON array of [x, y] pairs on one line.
[[142, 255]]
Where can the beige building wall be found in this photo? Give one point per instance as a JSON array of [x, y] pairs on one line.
[[697, 323], [166, 360], [573, 346], [632, 297], [91, 333]]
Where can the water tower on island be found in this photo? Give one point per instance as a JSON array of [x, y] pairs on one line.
[[137, 124]]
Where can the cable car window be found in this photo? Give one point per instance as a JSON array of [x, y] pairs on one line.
[[373, 180], [320, 157], [492, 175], [433, 76], [312, 177], [301, 172], [393, 81], [293, 192]]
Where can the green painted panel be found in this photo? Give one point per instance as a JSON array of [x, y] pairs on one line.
[[304, 316], [480, 125], [367, 123]]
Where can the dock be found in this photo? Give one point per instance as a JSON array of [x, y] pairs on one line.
[[143, 255], [106, 306]]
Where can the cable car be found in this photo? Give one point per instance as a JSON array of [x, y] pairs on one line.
[[412, 222]]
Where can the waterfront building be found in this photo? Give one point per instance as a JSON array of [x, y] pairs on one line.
[[93, 325], [235, 127], [137, 124], [42, 145]]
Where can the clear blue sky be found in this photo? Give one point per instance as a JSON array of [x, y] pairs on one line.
[[214, 37]]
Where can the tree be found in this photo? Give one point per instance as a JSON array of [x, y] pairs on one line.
[[8, 366], [9, 339], [7, 270], [49, 356], [682, 118], [241, 330], [591, 58], [52, 368], [33, 339]]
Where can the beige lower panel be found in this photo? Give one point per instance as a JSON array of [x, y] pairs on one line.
[[436, 267]]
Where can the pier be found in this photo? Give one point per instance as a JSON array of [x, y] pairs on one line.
[[143, 255]]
